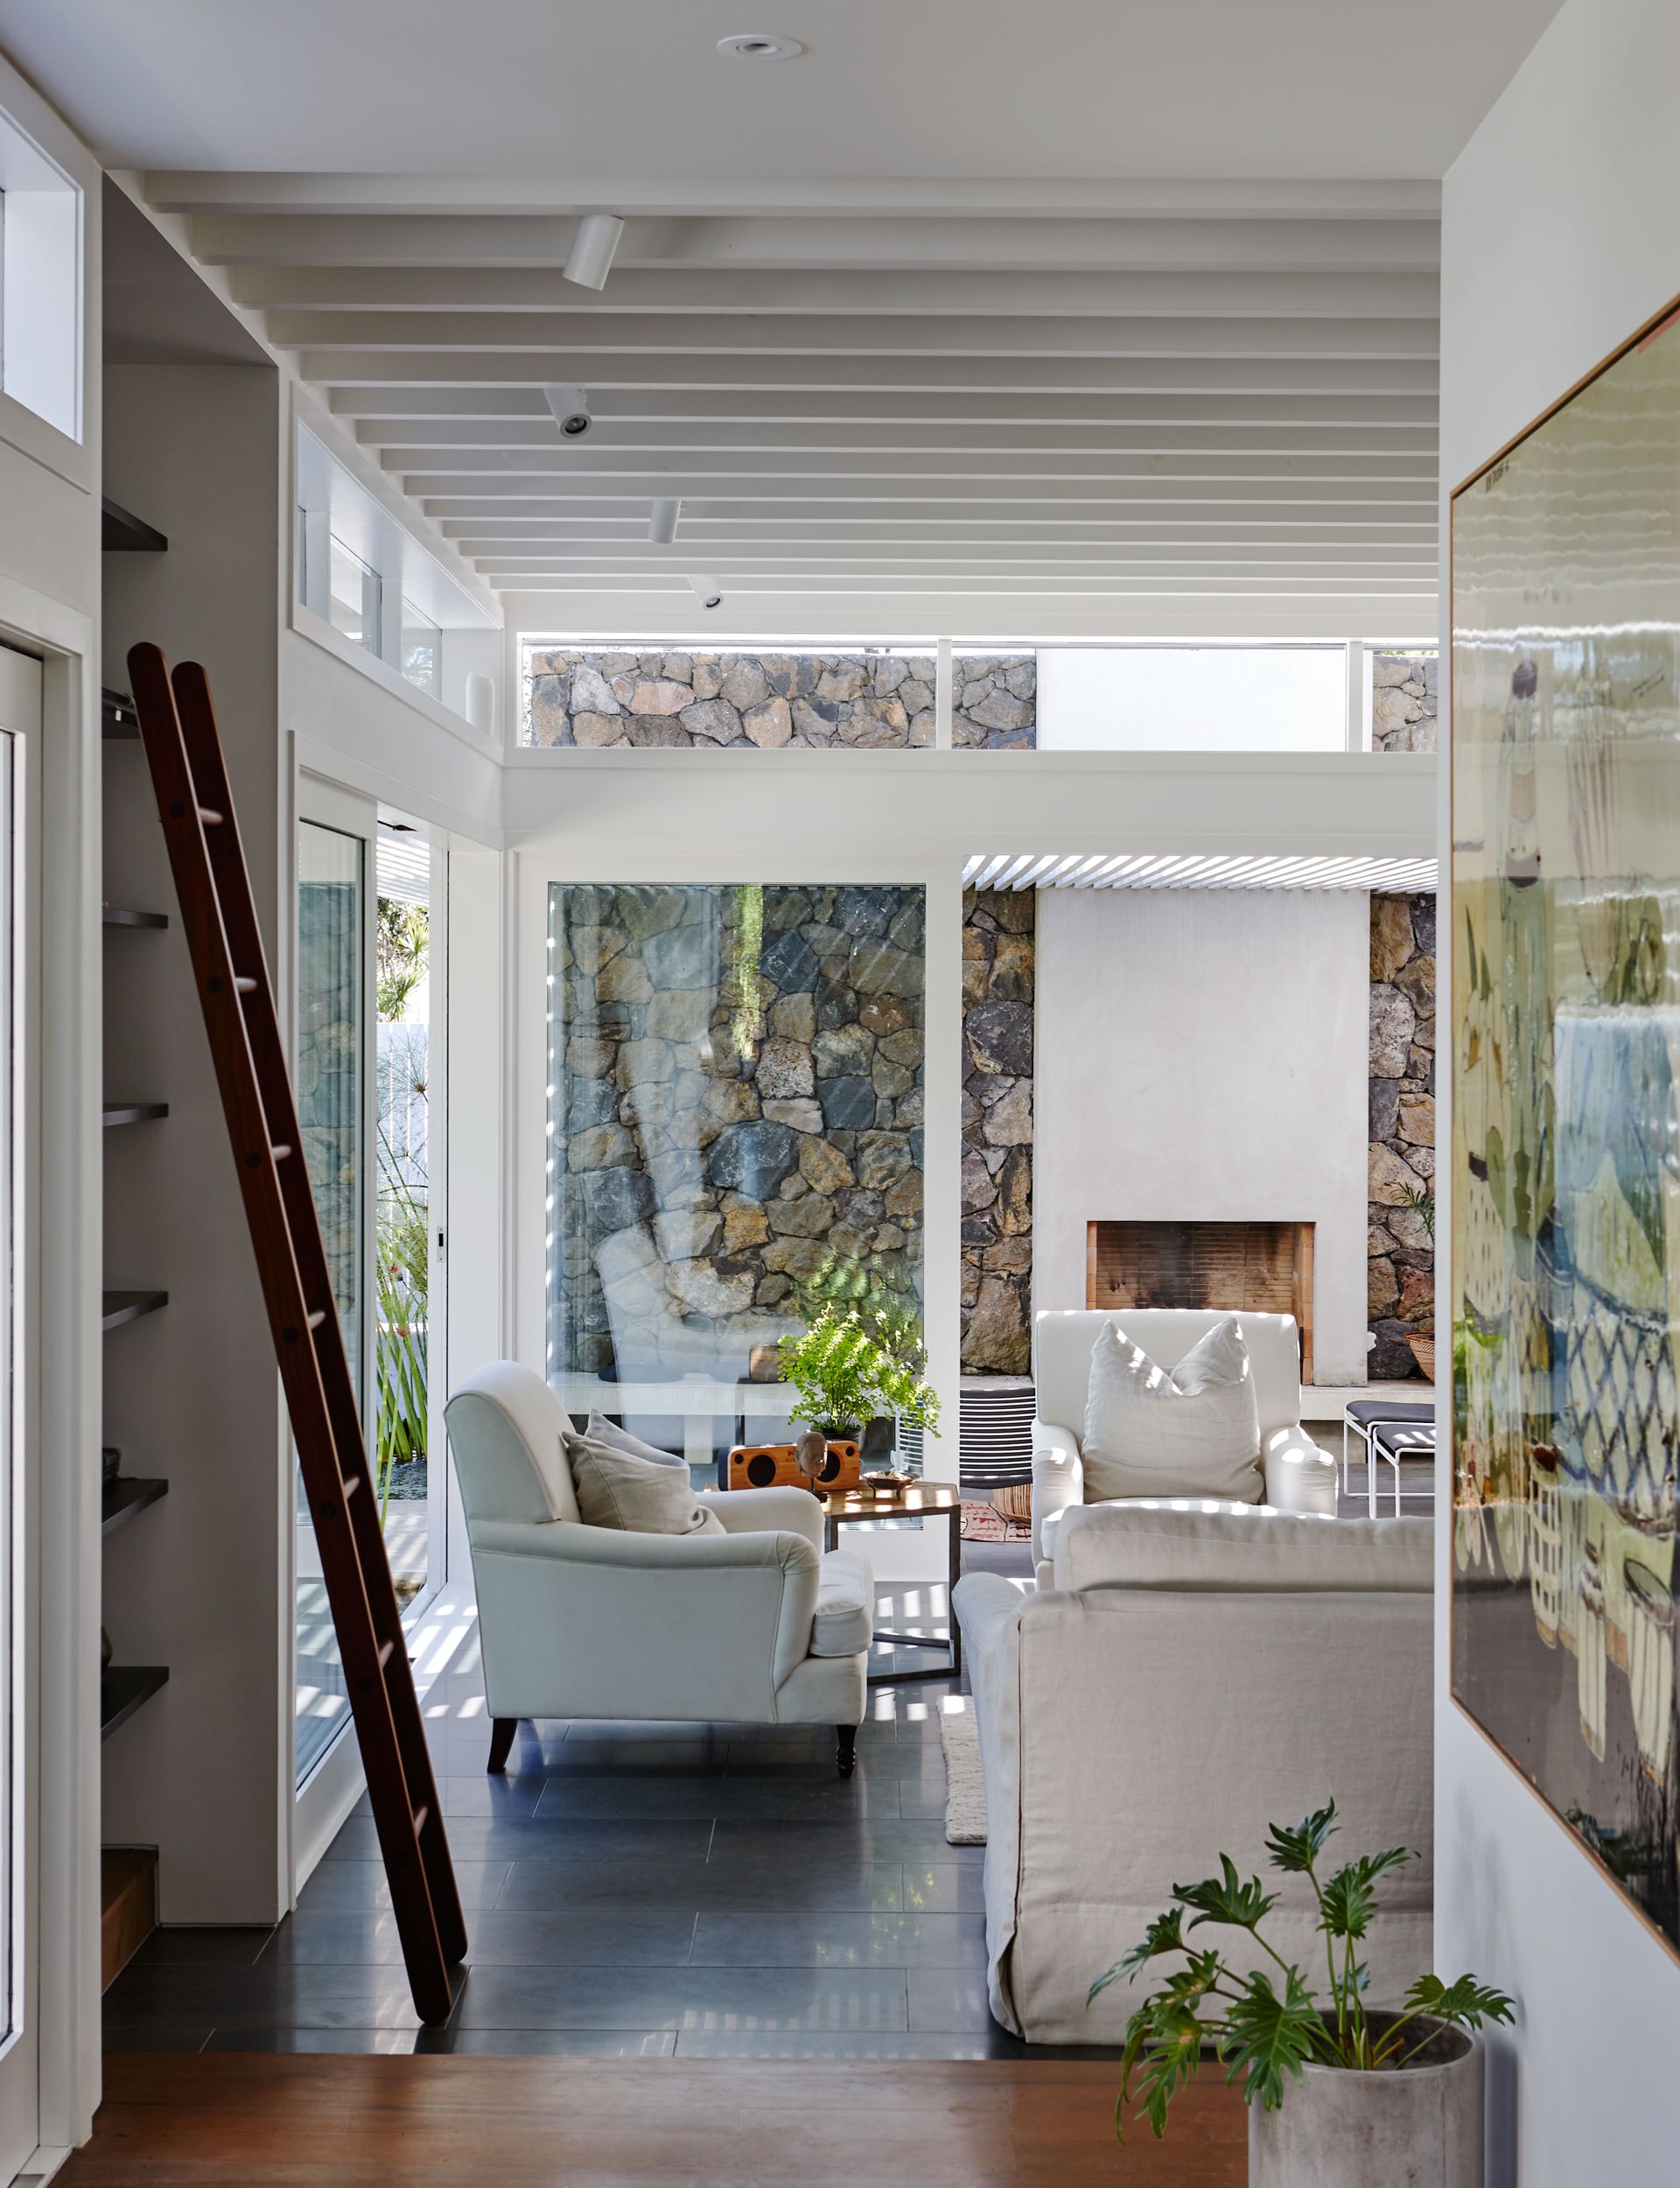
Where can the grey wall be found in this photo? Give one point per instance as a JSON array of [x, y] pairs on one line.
[[1560, 237], [191, 1393]]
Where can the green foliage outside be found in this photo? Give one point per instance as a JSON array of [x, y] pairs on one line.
[[402, 1242], [880, 1290], [401, 946], [1264, 2025], [848, 1369]]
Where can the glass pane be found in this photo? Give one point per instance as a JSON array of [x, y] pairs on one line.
[[735, 1122], [1193, 698], [402, 1240], [422, 650], [353, 596], [331, 1041]]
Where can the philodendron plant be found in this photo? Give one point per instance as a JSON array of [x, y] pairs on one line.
[[1263, 2025]]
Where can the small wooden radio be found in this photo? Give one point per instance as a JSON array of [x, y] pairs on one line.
[[772, 1466]]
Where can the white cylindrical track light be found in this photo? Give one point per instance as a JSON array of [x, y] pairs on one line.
[[570, 407], [661, 525], [589, 260], [705, 590]]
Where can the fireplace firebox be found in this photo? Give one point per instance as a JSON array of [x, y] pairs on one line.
[[1260, 1268]]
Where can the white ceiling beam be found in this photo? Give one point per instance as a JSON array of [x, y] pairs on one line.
[[947, 408], [583, 335], [1311, 565], [1104, 198], [1100, 478], [877, 293], [619, 444], [725, 522], [1171, 372], [994, 247]]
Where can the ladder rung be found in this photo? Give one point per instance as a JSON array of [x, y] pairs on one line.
[[351, 1487], [209, 815], [242, 986], [420, 1815], [320, 1315], [280, 1151], [385, 1648]]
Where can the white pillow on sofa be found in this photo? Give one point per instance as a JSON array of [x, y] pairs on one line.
[[1192, 1431]]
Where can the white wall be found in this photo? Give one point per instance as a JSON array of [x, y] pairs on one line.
[[1560, 236], [1201, 1056], [49, 606]]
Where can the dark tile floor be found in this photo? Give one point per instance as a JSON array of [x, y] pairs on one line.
[[639, 1888]]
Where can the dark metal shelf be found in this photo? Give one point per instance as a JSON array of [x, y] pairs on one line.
[[121, 533], [113, 915], [119, 1306], [122, 1688], [134, 1113], [128, 1494]]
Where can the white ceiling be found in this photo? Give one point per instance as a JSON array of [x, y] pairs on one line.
[[634, 89], [930, 311]]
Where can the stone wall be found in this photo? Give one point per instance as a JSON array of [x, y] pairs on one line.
[[737, 1077], [1402, 1288], [681, 697], [998, 968], [1404, 701], [995, 699]]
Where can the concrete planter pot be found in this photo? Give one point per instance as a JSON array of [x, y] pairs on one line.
[[1419, 2127]]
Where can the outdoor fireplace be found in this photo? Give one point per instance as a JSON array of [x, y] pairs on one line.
[[1232, 1267]]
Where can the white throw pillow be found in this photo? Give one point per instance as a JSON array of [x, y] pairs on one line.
[[1191, 1432]]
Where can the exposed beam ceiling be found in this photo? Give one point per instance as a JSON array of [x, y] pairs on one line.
[[1217, 388]]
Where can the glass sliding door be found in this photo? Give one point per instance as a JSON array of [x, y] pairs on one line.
[[735, 1137], [333, 1103]]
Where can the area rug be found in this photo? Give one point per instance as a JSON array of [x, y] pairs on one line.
[[984, 1522], [965, 1789]]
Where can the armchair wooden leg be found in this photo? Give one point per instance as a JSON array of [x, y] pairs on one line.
[[848, 1758], [502, 1740]]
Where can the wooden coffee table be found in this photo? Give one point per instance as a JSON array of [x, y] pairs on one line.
[[922, 1500]]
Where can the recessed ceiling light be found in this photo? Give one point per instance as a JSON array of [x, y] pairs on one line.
[[758, 46]]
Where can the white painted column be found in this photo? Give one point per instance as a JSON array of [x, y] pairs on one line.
[[944, 681]]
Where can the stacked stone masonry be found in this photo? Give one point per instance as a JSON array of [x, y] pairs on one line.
[[1404, 701], [1401, 1249], [864, 699], [997, 967], [737, 1096]]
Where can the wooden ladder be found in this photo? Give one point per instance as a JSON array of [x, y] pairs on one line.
[[195, 804]]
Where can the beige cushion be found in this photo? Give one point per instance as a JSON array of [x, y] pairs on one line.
[[1194, 1431], [615, 1490], [845, 1607], [601, 1430], [1189, 1544]]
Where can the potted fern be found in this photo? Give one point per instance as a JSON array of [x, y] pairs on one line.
[[849, 1366], [1340, 2095]]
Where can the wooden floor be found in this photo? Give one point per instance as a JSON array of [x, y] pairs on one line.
[[350, 2122]]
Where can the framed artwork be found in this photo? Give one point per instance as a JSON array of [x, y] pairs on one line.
[[1565, 938]]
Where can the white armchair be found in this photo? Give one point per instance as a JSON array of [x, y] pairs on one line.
[[1299, 1477], [754, 1626]]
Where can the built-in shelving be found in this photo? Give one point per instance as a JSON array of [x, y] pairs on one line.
[[126, 1495], [134, 1113], [122, 1689], [115, 916], [123, 533], [119, 1306]]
